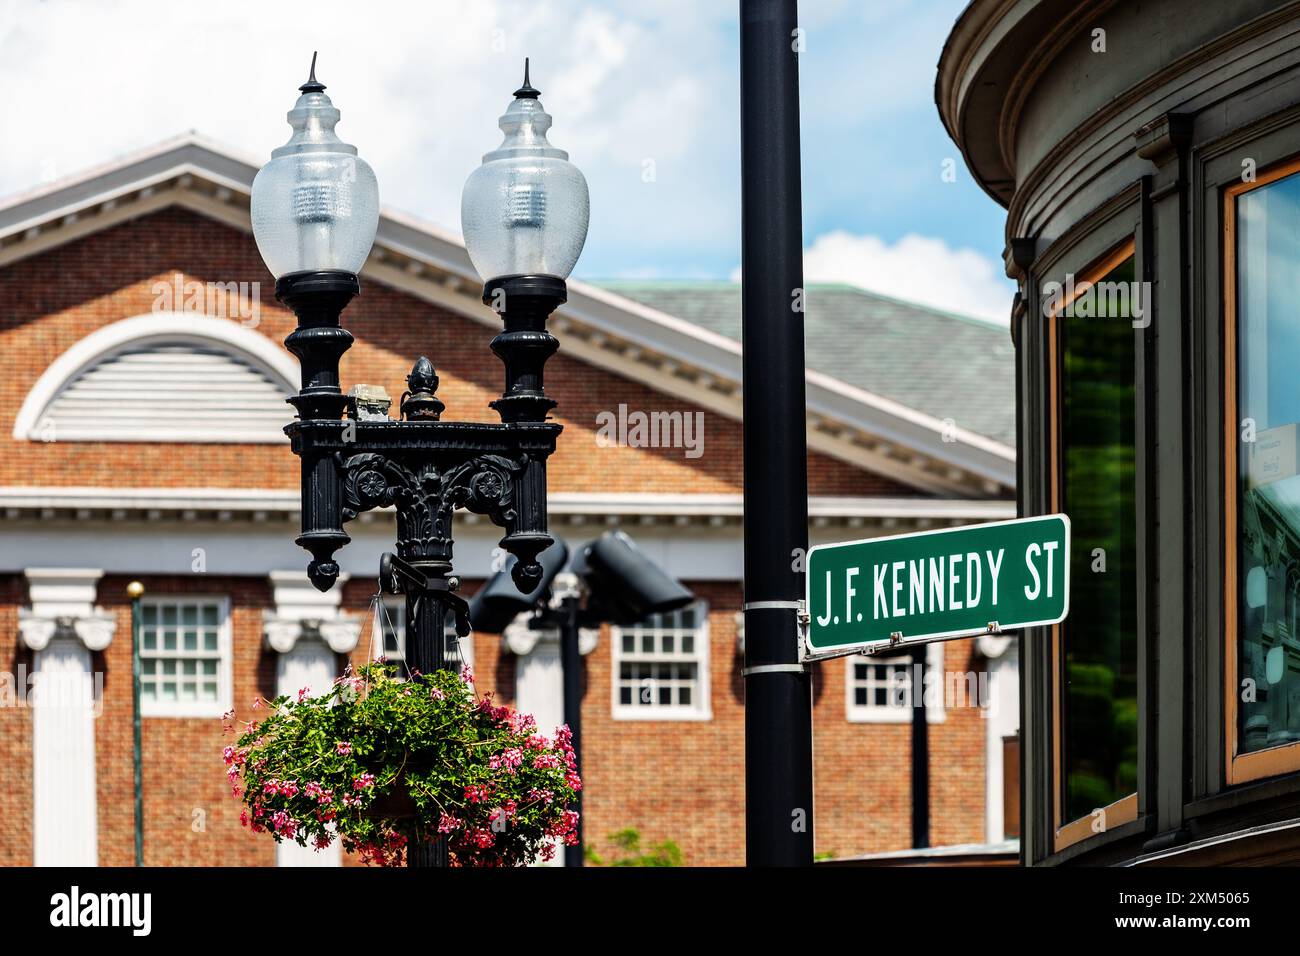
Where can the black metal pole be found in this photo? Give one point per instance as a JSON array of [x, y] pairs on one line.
[[920, 753], [571, 663], [778, 699], [426, 617]]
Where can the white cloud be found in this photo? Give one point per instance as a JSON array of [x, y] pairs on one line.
[[917, 269], [420, 85]]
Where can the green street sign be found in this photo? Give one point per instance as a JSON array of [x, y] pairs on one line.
[[935, 585]]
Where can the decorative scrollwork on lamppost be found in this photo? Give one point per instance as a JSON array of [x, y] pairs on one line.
[[315, 209]]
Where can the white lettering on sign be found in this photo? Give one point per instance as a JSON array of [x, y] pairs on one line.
[[849, 591], [954, 579], [923, 586], [1036, 550], [994, 568], [878, 573], [944, 583]]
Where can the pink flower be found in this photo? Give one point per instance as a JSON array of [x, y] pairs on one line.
[[548, 852], [509, 761], [343, 748], [573, 780], [284, 824], [566, 825], [521, 723], [437, 694], [546, 761], [321, 841], [476, 793], [302, 693], [363, 781], [467, 673], [447, 823]]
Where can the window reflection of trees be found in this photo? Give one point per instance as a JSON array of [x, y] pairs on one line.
[[1099, 640]]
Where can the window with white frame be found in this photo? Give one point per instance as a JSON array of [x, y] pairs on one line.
[[185, 657], [879, 689], [661, 666], [389, 634]]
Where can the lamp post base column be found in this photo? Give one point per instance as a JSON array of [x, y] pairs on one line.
[[426, 642]]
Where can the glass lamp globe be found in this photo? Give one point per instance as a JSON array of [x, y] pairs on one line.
[[524, 211], [315, 205]]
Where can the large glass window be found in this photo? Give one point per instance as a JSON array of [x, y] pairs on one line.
[[1098, 641], [1267, 581]]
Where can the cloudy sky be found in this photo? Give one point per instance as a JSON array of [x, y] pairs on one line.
[[644, 93]]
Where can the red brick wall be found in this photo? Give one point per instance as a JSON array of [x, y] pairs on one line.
[[15, 733], [51, 301]]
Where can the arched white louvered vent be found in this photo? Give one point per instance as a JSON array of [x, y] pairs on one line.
[[169, 391]]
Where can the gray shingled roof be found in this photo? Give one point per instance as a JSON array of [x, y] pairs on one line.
[[942, 364]]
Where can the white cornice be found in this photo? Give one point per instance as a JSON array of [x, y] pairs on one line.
[[597, 326], [228, 504]]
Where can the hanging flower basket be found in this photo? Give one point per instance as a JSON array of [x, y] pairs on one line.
[[384, 762]]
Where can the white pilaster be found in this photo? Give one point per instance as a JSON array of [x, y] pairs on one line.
[[539, 675], [308, 632], [62, 629], [1002, 719], [539, 679]]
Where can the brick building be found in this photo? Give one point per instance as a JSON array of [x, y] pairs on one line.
[[141, 413]]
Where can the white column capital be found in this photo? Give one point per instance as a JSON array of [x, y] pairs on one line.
[[63, 605], [521, 640], [302, 612]]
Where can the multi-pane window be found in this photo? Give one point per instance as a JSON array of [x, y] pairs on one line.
[[661, 666], [390, 629], [184, 657], [880, 688], [389, 638]]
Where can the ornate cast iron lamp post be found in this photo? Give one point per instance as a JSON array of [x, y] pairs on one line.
[[315, 210]]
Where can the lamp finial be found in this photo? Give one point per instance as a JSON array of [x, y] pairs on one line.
[[527, 91], [313, 85]]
